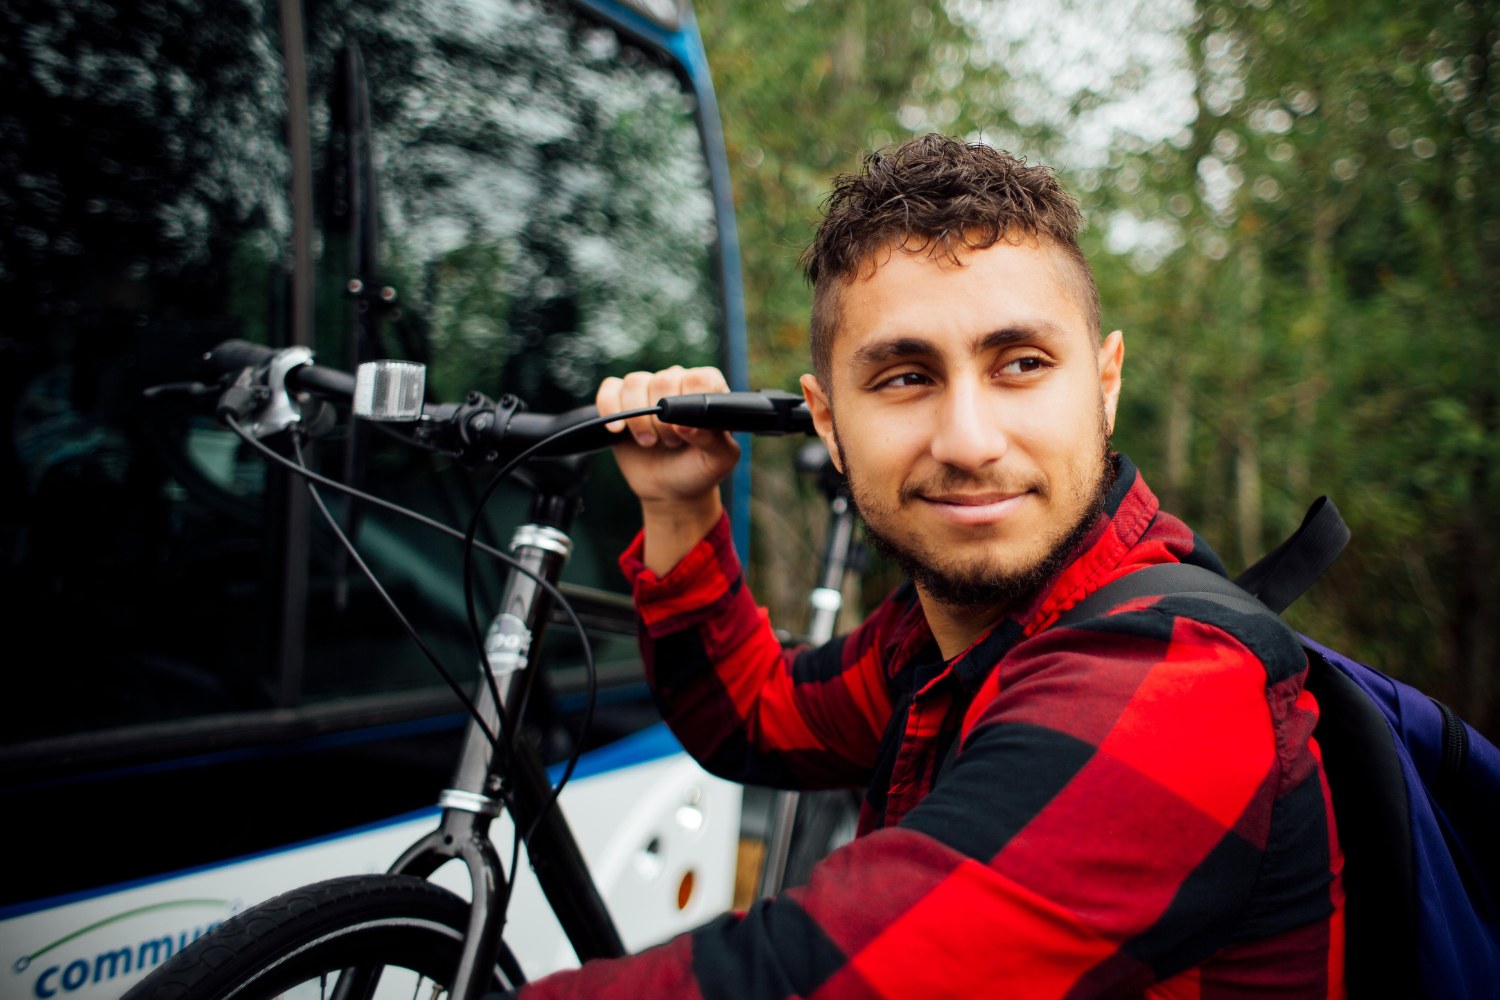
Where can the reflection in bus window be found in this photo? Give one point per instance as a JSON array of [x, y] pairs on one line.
[[543, 195], [543, 217]]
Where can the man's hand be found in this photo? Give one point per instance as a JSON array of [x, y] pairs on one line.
[[674, 470]]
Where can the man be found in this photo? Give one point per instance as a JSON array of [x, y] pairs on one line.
[[1124, 806]]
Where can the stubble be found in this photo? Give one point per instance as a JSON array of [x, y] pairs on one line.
[[984, 583]]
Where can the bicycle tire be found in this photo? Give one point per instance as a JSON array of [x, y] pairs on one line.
[[297, 944]]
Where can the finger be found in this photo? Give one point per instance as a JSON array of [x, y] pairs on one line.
[[704, 380], [667, 382], [607, 401], [635, 394], [701, 380]]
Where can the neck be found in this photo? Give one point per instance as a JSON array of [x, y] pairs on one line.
[[956, 626]]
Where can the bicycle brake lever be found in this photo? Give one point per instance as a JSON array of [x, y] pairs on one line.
[[242, 398], [237, 398], [186, 390]]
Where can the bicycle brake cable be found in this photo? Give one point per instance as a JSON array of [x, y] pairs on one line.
[[471, 539], [591, 672], [508, 875], [470, 543], [315, 477], [385, 596]]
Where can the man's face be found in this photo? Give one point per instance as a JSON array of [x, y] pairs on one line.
[[970, 411]]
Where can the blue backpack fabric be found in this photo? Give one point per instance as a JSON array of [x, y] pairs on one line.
[[1416, 791]]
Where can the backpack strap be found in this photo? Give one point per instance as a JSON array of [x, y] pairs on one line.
[[1288, 570], [1370, 802], [1359, 757], [1159, 581], [1270, 586]]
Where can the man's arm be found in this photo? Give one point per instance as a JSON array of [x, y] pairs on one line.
[[743, 706], [727, 688]]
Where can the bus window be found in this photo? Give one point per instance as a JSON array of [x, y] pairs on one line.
[[510, 191], [146, 214]]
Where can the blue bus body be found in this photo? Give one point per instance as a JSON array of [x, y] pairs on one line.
[[524, 194]]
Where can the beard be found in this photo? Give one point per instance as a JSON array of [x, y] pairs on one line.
[[984, 582]]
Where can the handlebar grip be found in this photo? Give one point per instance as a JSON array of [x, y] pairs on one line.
[[330, 383], [767, 412], [232, 355]]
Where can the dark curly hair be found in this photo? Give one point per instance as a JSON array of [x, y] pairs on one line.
[[937, 195]]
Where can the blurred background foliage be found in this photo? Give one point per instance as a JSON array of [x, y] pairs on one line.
[[1293, 214]]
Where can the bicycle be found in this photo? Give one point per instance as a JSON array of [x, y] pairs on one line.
[[323, 940]]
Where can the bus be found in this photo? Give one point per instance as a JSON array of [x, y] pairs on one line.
[[207, 703]]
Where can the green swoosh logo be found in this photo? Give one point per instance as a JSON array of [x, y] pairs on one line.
[[155, 907]]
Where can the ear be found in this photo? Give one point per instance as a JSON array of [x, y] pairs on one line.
[[822, 416], [1111, 366]]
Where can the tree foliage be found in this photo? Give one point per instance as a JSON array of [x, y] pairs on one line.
[[1320, 327], [1293, 216], [804, 88]]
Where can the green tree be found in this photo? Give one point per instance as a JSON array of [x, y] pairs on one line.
[[1293, 216], [805, 87], [1318, 327]]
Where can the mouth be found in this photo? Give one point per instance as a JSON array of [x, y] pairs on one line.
[[974, 508]]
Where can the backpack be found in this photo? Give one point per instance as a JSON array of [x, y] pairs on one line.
[[1416, 791]]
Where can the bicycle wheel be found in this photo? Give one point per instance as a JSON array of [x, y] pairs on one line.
[[396, 935]]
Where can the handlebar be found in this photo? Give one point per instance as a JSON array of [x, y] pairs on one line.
[[234, 355], [481, 429]]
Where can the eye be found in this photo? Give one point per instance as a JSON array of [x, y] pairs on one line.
[[902, 380], [1025, 365]]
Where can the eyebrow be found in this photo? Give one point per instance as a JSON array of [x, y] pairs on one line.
[[892, 348]]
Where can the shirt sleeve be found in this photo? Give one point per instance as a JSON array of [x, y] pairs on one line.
[[744, 706], [1120, 811]]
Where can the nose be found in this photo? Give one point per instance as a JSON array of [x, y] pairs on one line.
[[968, 434]]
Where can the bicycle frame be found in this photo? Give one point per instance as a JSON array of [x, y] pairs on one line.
[[483, 777]]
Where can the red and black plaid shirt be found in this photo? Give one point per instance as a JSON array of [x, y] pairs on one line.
[[1137, 807]]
